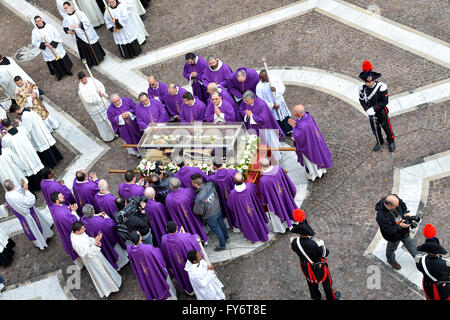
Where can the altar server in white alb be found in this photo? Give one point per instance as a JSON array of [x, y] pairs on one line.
[[105, 278], [47, 38], [22, 203], [92, 10], [272, 93], [77, 24], [8, 167], [137, 11], [16, 139], [120, 23], [93, 96], [203, 278], [41, 139], [60, 6]]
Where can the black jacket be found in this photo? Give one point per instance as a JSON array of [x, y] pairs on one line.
[[436, 266], [390, 230], [378, 101], [206, 204]]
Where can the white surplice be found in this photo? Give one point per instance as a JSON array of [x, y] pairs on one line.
[[205, 283], [96, 106], [28, 160], [21, 201], [263, 91], [59, 5], [136, 9], [9, 169], [105, 278], [70, 20], [314, 172], [51, 34], [92, 11], [38, 133], [128, 33]]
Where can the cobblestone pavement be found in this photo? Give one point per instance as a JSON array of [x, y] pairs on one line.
[[425, 16], [340, 206], [315, 40]]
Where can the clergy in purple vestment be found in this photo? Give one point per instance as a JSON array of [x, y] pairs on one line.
[[247, 210], [129, 188], [193, 71], [241, 80], [219, 110], [257, 116], [48, 186], [85, 187], [185, 173], [192, 109], [150, 112], [157, 89], [223, 178], [157, 215], [122, 115], [180, 204], [217, 71], [309, 142], [149, 266], [174, 100], [278, 194], [106, 201], [63, 218], [226, 96], [113, 247], [174, 247]]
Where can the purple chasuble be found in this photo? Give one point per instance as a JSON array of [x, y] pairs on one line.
[[196, 112], [63, 219], [237, 88], [48, 186], [149, 266], [24, 224], [110, 236], [175, 247], [278, 193], [158, 218], [129, 132], [128, 190], [219, 76], [309, 141], [185, 173], [249, 214], [227, 109], [152, 114], [85, 193], [179, 204], [161, 92], [226, 96], [262, 116], [174, 103], [223, 178], [106, 202], [197, 87]]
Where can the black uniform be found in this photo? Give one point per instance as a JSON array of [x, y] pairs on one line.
[[318, 272], [378, 101]]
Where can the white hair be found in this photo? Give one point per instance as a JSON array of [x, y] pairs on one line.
[[149, 193], [102, 185]]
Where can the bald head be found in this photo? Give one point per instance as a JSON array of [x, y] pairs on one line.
[[391, 201], [238, 178], [153, 82], [212, 86], [172, 88], [264, 163], [103, 185], [150, 193], [299, 110]]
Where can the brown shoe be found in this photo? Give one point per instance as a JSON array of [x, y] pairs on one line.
[[395, 265]]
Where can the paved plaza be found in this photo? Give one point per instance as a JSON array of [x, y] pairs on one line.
[[316, 47]]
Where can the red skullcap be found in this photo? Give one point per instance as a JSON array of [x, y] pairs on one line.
[[429, 231], [367, 66], [299, 215]]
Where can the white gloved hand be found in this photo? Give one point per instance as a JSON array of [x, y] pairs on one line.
[[370, 112]]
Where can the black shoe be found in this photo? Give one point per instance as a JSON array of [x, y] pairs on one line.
[[70, 73], [377, 147], [219, 248], [391, 147], [337, 295]]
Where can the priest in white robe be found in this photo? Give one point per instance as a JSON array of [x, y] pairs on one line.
[[41, 139], [48, 39], [105, 278], [77, 24], [93, 96], [203, 278], [137, 11], [22, 203], [17, 140], [120, 23], [8, 167], [93, 12], [60, 6], [272, 93]]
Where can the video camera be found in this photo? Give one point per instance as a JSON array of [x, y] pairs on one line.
[[412, 221], [121, 217]]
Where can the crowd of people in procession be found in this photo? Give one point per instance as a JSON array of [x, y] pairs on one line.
[[164, 237]]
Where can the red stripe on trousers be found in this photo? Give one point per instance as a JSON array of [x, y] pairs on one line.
[[389, 122]]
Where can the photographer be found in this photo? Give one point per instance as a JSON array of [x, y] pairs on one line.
[[394, 222], [131, 217], [159, 179]]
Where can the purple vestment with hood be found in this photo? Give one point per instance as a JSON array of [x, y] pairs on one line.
[[63, 220], [174, 103], [237, 88], [85, 192], [158, 218], [185, 173], [128, 190], [196, 112], [152, 114], [48, 186], [219, 76], [197, 87], [223, 178], [106, 202], [161, 92]]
